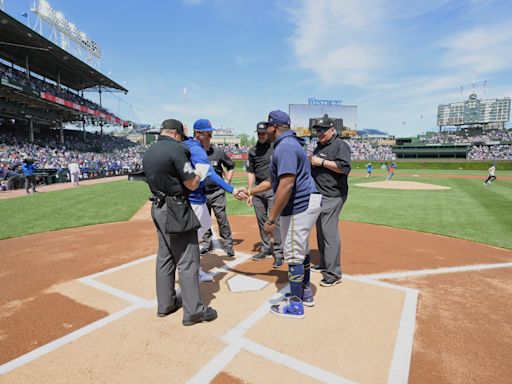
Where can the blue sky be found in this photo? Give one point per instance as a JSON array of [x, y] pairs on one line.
[[238, 59]]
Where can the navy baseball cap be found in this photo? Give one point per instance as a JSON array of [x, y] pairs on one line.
[[278, 117], [203, 125]]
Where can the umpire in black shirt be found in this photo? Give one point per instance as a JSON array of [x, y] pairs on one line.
[[170, 177], [331, 165], [257, 171]]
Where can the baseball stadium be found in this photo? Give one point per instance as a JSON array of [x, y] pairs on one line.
[[426, 246]]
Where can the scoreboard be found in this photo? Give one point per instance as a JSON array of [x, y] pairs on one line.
[[474, 111]]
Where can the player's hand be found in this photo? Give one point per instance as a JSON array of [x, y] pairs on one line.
[[269, 229], [249, 201], [240, 194]]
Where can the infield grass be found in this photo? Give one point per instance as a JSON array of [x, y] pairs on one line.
[[468, 210]]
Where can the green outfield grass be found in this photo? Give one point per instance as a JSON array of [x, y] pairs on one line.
[[86, 205], [468, 210]]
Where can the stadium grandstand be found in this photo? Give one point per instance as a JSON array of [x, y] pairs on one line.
[[473, 129], [41, 90]]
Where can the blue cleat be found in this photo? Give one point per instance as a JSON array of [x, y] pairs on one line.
[[308, 299], [291, 307]]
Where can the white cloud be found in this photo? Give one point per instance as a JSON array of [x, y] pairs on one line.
[[377, 55], [483, 49]]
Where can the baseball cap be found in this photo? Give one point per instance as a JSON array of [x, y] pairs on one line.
[[261, 126], [173, 125], [324, 122], [278, 117], [203, 125]]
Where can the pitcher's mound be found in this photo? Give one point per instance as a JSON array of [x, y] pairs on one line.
[[413, 185]]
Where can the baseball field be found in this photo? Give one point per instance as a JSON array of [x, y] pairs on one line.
[[427, 261]]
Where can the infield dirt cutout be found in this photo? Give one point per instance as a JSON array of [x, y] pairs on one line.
[[407, 185], [350, 333]]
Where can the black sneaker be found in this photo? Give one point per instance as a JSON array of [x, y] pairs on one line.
[[209, 314], [177, 306], [230, 252], [261, 256], [317, 268], [330, 281], [278, 261], [206, 250]]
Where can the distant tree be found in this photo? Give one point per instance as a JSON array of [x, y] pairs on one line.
[[244, 139], [252, 141]]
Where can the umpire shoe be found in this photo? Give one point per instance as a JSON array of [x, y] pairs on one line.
[[209, 314], [317, 268], [278, 261], [330, 281], [261, 256], [177, 306], [206, 249]]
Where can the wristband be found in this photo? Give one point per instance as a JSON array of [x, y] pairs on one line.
[[323, 161], [270, 222]]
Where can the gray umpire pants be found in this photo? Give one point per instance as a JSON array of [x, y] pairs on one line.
[[217, 202], [262, 204], [181, 251], [328, 236]]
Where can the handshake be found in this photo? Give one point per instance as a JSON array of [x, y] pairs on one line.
[[241, 193]]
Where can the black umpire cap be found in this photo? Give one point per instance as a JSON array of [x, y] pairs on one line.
[[325, 122], [174, 125], [261, 126]]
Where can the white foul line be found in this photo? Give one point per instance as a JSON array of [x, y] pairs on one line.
[[424, 272], [401, 362]]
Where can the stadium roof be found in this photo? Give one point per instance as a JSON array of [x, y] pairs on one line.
[[17, 41]]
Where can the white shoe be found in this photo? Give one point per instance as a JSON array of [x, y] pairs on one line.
[[205, 277]]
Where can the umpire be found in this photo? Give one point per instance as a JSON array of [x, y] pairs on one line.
[[331, 165], [216, 198], [170, 177], [258, 171]]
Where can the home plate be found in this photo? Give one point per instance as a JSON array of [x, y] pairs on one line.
[[241, 283]]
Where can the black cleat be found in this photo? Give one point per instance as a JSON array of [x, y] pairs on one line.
[[330, 281], [206, 250], [261, 256], [278, 261], [178, 305], [317, 268]]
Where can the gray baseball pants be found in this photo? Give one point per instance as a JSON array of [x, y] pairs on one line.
[[262, 204], [328, 236], [181, 251], [217, 202]]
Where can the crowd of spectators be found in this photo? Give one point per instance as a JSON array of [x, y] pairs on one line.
[[98, 156], [490, 152], [44, 86], [468, 137], [369, 150]]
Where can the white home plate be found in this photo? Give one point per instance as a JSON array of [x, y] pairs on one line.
[[241, 283]]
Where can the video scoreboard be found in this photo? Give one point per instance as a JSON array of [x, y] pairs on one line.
[[474, 111]]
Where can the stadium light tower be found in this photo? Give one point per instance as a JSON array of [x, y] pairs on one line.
[[66, 34]]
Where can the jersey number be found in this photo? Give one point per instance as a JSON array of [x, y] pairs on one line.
[[187, 168]]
